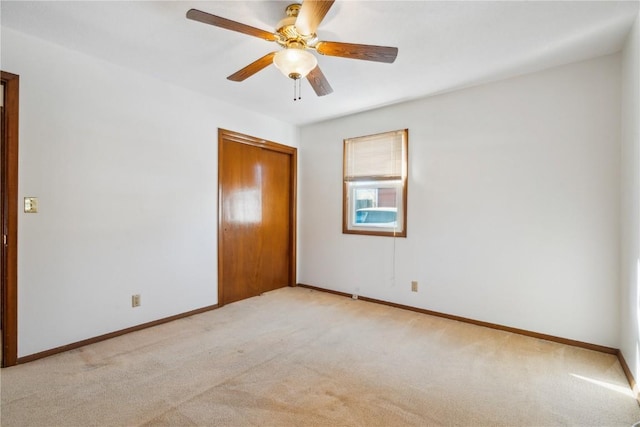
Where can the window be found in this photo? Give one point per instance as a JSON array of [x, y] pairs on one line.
[[375, 184]]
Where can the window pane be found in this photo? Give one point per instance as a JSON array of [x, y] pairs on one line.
[[375, 205]]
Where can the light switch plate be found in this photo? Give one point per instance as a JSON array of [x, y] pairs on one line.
[[30, 205]]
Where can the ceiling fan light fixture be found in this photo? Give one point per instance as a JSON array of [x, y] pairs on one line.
[[295, 62]]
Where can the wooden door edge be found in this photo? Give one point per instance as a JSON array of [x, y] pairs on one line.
[[10, 170]]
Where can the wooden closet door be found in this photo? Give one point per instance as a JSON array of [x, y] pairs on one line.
[[275, 260], [255, 217]]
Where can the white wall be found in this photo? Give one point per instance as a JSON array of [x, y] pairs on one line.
[[125, 169], [514, 208], [630, 230]]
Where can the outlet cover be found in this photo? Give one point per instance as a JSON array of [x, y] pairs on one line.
[[135, 300], [414, 286]]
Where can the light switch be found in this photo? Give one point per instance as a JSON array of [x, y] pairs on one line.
[[30, 205]]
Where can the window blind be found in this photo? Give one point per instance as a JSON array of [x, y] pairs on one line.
[[374, 157]]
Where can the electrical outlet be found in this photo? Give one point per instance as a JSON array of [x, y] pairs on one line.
[[414, 286], [135, 300]]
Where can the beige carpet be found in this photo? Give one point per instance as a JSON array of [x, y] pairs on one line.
[[301, 357]]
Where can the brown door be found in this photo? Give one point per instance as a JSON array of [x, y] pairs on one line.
[[9, 217], [256, 228]]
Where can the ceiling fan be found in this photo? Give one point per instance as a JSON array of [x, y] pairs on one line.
[[296, 33]]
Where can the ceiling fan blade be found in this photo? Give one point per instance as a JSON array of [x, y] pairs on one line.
[[358, 51], [252, 68], [312, 12], [207, 18], [319, 82]]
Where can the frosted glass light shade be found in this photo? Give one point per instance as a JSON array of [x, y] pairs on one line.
[[295, 63]]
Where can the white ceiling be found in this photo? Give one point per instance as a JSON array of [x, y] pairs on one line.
[[443, 45]]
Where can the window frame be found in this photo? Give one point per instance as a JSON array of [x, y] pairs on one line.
[[349, 185]]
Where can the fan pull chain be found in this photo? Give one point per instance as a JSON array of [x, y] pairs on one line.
[[296, 89]]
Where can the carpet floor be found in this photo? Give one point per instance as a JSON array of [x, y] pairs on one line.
[[298, 357]]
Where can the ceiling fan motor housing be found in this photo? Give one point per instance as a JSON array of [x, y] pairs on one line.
[[288, 33]]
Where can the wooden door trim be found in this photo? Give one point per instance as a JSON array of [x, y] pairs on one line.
[[228, 135], [10, 221], [257, 142]]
